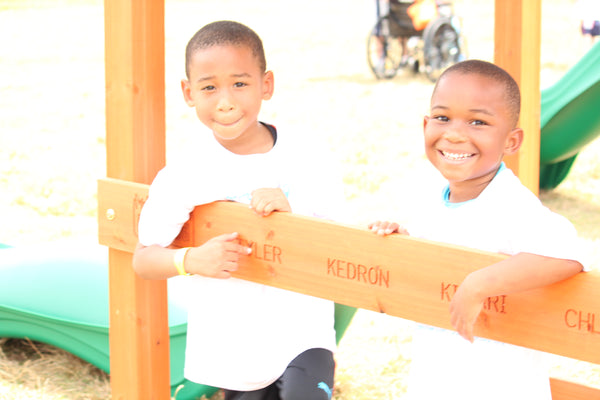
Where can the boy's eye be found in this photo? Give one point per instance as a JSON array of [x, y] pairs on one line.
[[477, 122], [442, 118], [208, 88], [239, 84]]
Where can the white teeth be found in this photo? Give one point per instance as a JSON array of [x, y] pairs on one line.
[[456, 156]]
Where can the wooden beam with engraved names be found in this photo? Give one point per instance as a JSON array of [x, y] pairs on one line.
[[398, 275]]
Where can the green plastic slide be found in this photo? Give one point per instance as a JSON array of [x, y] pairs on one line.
[[570, 118], [59, 295]]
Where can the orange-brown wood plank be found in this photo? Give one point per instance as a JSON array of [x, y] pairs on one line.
[[135, 125], [397, 275], [566, 390], [517, 31]]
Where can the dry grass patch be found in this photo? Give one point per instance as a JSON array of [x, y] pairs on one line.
[[31, 370]]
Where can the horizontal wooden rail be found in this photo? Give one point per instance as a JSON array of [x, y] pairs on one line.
[[398, 275], [566, 390]]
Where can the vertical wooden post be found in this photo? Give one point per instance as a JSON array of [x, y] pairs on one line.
[[517, 49], [135, 145]]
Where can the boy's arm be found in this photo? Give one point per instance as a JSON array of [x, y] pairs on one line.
[[521, 272], [216, 258]]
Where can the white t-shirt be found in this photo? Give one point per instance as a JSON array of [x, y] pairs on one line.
[[242, 335], [506, 217]]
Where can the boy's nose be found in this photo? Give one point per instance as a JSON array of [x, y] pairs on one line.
[[225, 103], [454, 134]]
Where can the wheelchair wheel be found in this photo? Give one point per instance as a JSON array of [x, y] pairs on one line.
[[383, 50], [442, 47]]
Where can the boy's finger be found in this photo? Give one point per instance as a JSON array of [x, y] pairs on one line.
[[258, 206], [468, 334], [235, 252], [267, 209], [466, 331], [231, 266], [223, 275], [243, 250], [229, 236]]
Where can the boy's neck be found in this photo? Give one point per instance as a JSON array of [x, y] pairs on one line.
[[461, 193], [469, 190], [257, 140]]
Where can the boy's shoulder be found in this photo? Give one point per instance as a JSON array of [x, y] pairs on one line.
[[518, 205], [296, 143], [507, 187]]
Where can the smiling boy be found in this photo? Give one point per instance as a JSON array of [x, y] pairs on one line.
[[472, 125]]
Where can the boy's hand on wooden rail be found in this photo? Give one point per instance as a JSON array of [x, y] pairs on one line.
[[217, 258], [265, 201], [386, 228], [465, 307]]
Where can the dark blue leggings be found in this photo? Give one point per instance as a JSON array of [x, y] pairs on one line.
[[308, 377]]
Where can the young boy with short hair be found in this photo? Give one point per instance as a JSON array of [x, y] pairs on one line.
[[472, 125], [255, 341]]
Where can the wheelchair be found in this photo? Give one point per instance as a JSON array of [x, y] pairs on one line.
[[430, 50]]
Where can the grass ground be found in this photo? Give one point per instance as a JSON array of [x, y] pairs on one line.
[[52, 147]]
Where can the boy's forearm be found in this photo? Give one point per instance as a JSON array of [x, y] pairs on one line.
[[521, 272], [154, 262]]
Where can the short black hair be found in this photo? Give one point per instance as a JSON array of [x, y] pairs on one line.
[[222, 33], [497, 74]]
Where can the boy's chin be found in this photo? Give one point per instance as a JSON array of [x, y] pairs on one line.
[[226, 136]]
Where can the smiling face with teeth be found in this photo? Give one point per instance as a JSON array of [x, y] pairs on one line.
[[469, 130]]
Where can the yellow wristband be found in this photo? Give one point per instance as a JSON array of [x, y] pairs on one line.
[[178, 260]]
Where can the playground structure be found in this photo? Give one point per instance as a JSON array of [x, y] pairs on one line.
[[135, 110], [119, 373]]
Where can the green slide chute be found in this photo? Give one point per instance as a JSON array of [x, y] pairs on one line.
[[570, 118]]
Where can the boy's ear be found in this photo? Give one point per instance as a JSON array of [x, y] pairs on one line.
[[513, 141], [268, 85], [186, 89]]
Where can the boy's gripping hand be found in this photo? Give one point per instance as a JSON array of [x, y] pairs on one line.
[[520, 272], [265, 201], [386, 228], [465, 307], [216, 258]]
